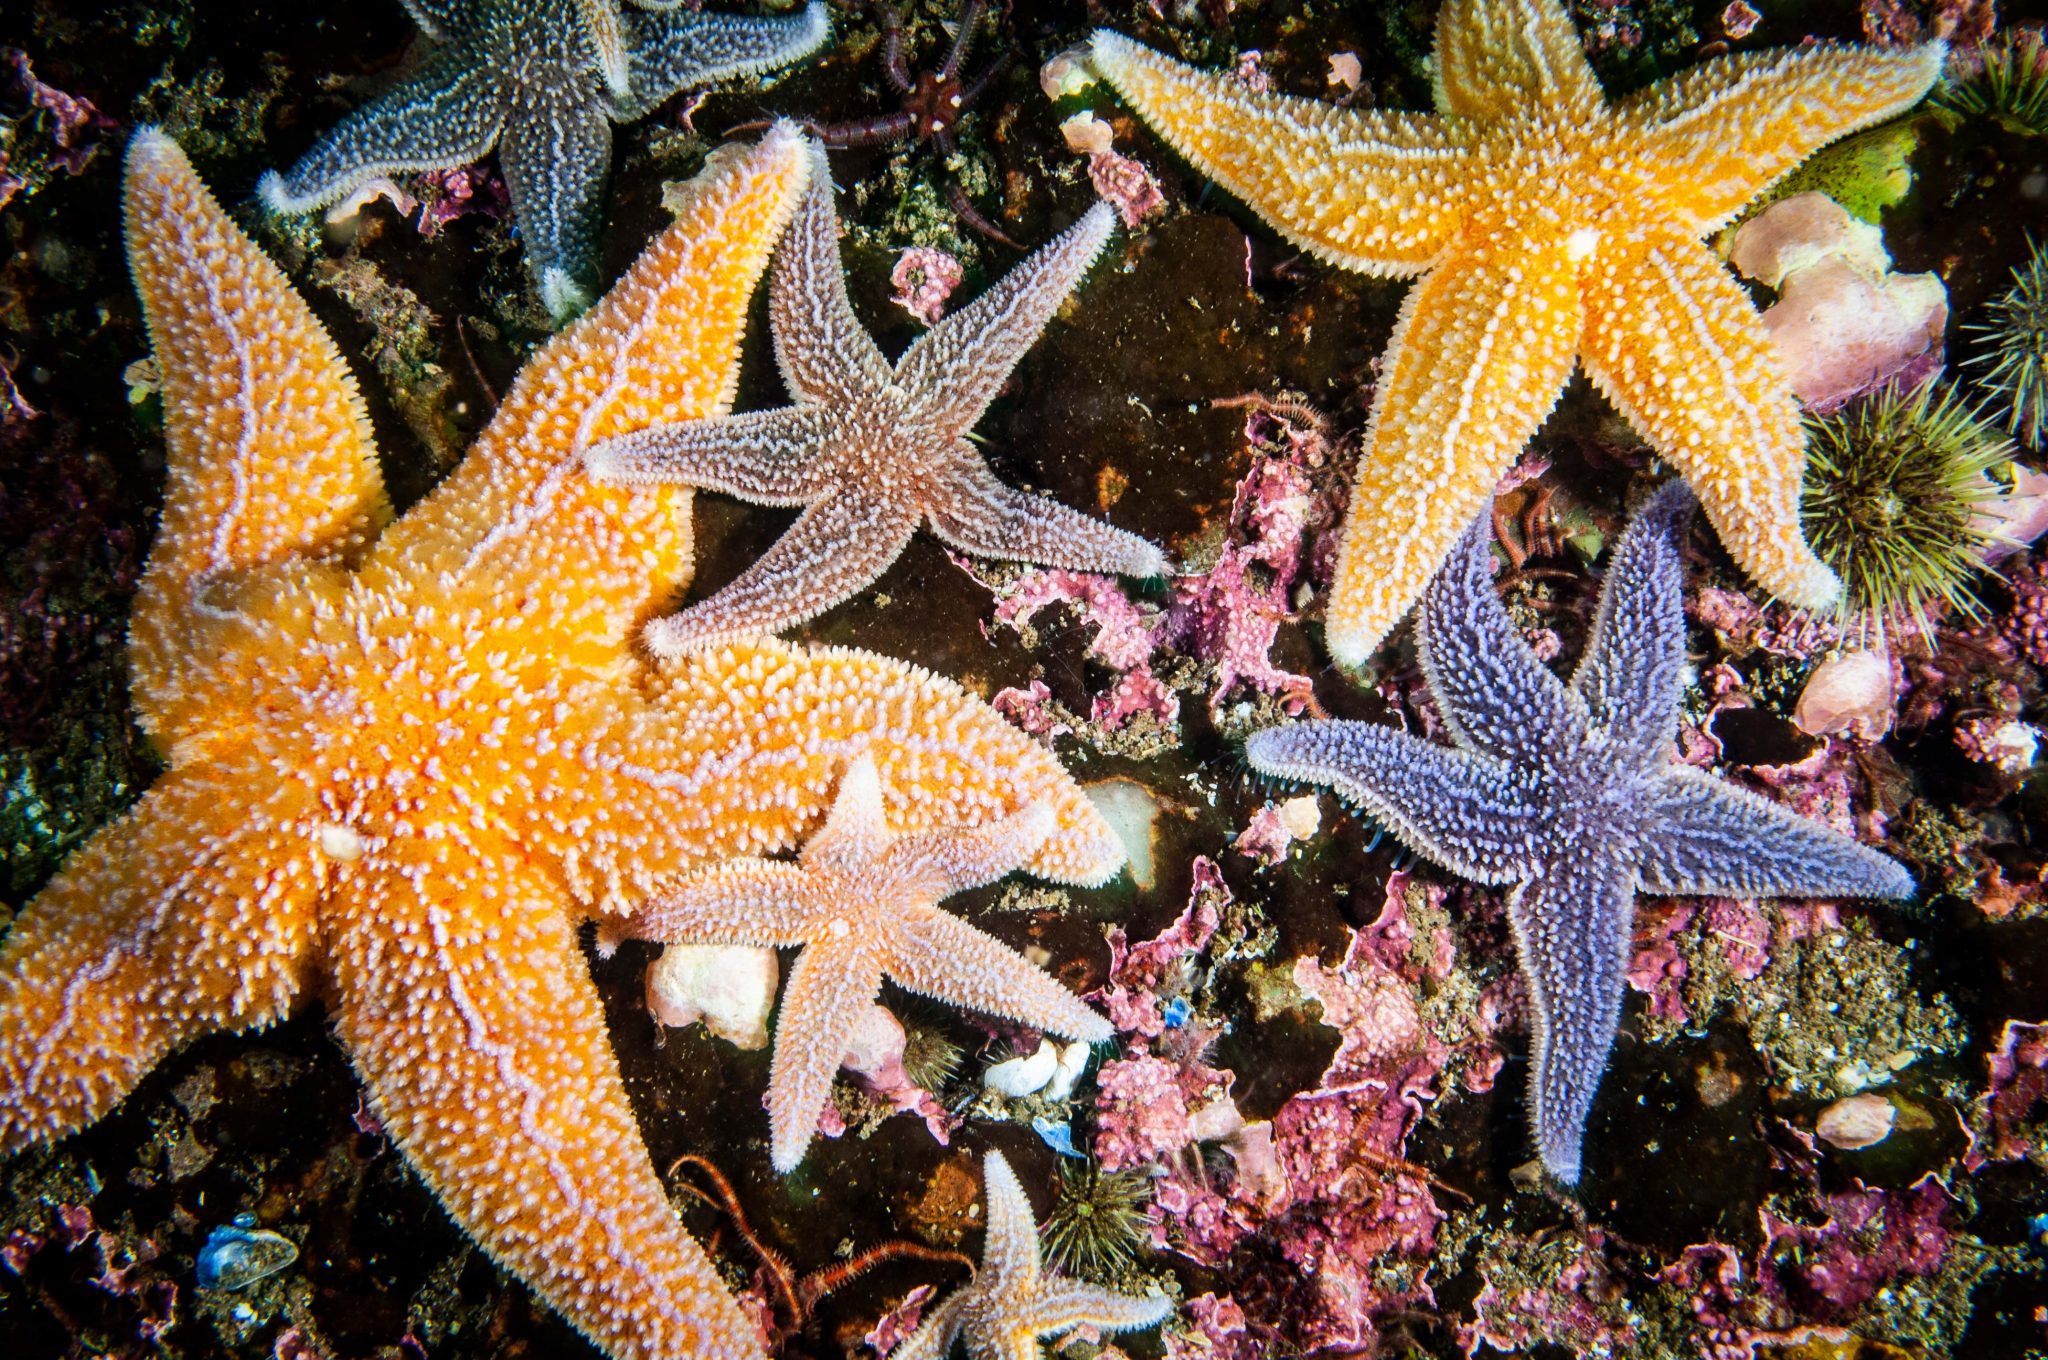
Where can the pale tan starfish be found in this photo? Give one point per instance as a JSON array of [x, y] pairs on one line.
[[872, 450], [1550, 225], [863, 903], [1013, 1300]]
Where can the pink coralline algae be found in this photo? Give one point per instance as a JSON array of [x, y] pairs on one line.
[[895, 1326], [923, 279], [1870, 1238], [1279, 543], [446, 195], [2003, 1129], [1125, 638], [2025, 625], [1317, 1207], [1657, 970], [71, 119], [1141, 1113], [1216, 1331], [1564, 1310], [1369, 1004], [1143, 977], [1126, 185]]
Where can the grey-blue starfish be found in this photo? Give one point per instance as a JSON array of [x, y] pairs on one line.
[[1571, 793], [542, 81]]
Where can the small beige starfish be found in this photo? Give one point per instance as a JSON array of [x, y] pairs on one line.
[[1013, 1301], [863, 902], [871, 450]]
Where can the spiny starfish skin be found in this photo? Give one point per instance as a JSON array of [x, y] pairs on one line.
[[872, 450], [1548, 225], [863, 902], [542, 81], [401, 764], [1012, 1300], [1570, 793]]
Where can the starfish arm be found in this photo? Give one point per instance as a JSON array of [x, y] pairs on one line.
[[955, 369], [1373, 192], [470, 1018], [1731, 126], [973, 512], [825, 354], [1710, 837], [447, 113], [1674, 343], [741, 750], [436, 18], [934, 1337], [838, 547], [856, 830], [1495, 694], [941, 956], [1009, 1249], [661, 348], [556, 151], [1456, 808], [164, 926], [603, 27], [1060, 1305], [830, 987], [739, 901], [1494, 58], [961, 859], [1632, 674], [765, 457], [670, 49], [1480, 353], [1572, 928], [271, 467]]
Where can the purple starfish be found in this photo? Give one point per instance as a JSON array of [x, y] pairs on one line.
[[871, 449], [1570, 793]]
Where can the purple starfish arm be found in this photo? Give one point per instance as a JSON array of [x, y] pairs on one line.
[[1705, 836], [959, 366], [1633, 672], [1496, 696], [1572, 927], [1460, 809]]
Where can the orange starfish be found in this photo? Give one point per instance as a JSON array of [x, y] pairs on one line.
[[401, 764], [1551, 225]]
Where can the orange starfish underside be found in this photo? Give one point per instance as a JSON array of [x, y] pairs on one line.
[[403, 762], [1551, 225]]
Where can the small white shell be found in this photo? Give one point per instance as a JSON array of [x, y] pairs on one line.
[[1073, 1061], [1856, 1122], [1024, 1076], [729, 987]]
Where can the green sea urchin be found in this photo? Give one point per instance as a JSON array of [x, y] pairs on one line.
[[1896, 489], [1098, 1220], [2011, 90], [2014, 363]]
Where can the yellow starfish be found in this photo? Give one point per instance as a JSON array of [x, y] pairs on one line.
[[401, 764], [1551, 225]]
